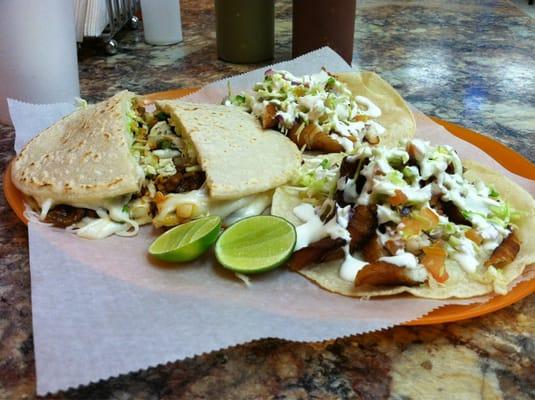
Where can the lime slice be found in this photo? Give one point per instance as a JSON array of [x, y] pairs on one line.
[[188, 241], [256, 244]]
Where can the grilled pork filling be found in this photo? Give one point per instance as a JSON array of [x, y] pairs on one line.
[[167, 164]]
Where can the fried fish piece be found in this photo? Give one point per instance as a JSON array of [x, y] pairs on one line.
[[334, 254], [454, 214], [315, 252], [383, 274], [313, 138], [505, 252], [349, 166], [269, 118], [361, 225], [373, 249]]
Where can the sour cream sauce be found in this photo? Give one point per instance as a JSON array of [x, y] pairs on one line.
[[313, 229], [351, 266], [320, 99], [438, 172]]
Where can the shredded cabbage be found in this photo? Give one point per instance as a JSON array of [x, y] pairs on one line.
[[318, 98], [318, 176]]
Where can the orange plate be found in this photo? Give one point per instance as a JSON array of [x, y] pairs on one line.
[[511, 160]]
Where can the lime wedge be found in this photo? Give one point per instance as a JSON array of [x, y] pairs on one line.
[[256, 244], [188, 241]]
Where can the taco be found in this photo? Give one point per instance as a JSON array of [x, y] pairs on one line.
[[327, 112], [411, 219], [110, 167]]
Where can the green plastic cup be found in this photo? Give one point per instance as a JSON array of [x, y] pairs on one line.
[[245, 30]]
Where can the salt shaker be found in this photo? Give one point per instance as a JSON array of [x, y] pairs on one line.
[[161, 21]]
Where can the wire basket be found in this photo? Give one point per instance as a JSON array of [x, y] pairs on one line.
[[121, 12]]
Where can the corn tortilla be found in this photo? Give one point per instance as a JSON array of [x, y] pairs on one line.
[[459, 284]]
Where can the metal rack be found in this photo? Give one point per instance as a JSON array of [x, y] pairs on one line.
[[121, 12]]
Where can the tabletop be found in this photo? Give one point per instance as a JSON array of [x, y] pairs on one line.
[[469, 62]]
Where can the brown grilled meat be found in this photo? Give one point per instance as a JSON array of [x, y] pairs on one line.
[[180, 182], [383, 274], [505, 252], [63, 216], [314, 253], [361, 225]]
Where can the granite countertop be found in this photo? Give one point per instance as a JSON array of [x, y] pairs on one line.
[[469, 62]]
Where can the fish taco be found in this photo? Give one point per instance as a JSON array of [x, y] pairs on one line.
[[411, 218], [329, 113]]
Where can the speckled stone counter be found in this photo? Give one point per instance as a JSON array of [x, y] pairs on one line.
[[469, 62]]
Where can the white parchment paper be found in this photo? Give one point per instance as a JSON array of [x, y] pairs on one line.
[[104, 308], [30, 119]]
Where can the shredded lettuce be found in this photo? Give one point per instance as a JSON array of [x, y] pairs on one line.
[[318, 176], [409, 175], [81, 103], [238, 100], [449, 228], [493, 193], [315, 184], [397, 159], [454, 242], [325, 164], [502, 212], [132, 116], [396, 178]]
